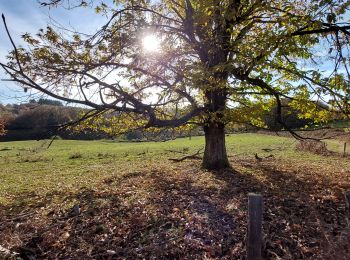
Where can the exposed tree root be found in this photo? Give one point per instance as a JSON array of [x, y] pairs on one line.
[[191, 156]]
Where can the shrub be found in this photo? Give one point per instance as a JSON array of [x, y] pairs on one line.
[[313, 146], [2, 128]]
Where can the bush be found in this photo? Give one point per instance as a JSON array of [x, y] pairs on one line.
[[313, 146], [2, 127]]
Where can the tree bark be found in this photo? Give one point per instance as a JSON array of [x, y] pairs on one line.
[[215, 156]]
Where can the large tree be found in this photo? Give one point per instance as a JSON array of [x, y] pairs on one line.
[[219, 61]]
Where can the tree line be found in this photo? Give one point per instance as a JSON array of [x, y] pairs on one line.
[[213, 54], [44, 118]]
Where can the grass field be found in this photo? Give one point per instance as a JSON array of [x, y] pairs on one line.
[[136, 203]]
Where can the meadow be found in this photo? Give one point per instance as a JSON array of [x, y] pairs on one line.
[[136, 203]]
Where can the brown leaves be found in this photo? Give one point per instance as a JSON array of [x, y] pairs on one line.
[[2, 127], [313, 146], [165, 212]]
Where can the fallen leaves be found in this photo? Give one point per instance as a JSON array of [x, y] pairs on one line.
[[183, 212]]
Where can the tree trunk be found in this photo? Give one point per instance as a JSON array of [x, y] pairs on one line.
[[215, 157]]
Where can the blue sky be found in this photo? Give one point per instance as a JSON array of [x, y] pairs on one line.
[[28, 16]]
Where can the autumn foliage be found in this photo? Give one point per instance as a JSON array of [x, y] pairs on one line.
[[213, 57], [2, 127]]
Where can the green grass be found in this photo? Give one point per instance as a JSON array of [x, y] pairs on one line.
[[341, 124], [133, 195], [31, 167]]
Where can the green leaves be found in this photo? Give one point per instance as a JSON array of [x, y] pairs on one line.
[[231, 59]]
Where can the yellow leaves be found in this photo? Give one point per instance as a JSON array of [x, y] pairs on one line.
[[252, 114], [117, 123], [209, 12], [98, 9], [288, 8], [111, 123], [102, 47], [41, 53], [23, 56], [86, 57], [76, 37], [308, 109], [51, 35], [258, 122], [101, 8], [29, 39], [324, 116], [338, 82]]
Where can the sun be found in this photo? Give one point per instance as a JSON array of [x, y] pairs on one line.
[[150, 43]]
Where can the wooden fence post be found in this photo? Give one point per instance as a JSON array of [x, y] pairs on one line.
[[255, 215], [347, 201], [344, 152]]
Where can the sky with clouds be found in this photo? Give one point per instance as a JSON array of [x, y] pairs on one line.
[[29, 16]]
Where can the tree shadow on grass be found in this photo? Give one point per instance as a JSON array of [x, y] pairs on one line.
[[304, 216], [140, 216], [168, 215]]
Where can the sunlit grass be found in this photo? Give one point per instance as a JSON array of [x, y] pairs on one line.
[[29, 166]]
